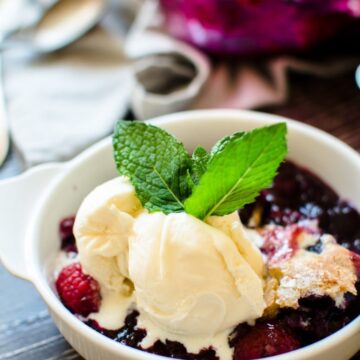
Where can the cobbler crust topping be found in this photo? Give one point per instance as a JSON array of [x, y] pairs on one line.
[[330, 273]]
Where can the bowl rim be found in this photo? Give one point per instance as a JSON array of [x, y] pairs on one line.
[[40, 281]]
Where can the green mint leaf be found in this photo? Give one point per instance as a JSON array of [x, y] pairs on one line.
[[239, 167], [200, 159], [225, 140], [190, 180], [156, 163]]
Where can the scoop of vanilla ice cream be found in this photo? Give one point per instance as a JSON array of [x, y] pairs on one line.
[[189, 277], [102, 228], [232, 227]]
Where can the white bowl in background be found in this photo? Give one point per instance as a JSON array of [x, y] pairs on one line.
[[33, 204]]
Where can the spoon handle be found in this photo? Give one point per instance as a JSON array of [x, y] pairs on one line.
[[4, 130], [14, 44]]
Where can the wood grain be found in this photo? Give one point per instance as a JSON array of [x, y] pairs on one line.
[[26, 330]]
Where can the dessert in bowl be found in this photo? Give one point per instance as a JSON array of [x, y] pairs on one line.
[[80, 177]]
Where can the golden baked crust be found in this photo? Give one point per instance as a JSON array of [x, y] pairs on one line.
[[329, 273]]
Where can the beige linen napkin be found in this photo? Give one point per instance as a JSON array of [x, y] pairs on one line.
[[61, 103]]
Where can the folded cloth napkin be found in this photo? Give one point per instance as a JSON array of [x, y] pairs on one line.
[[60, 103]]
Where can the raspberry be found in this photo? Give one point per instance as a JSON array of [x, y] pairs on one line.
[[79, 292], [263, 340], [281, 242]]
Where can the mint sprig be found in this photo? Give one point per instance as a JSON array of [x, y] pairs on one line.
[[240, 166], [217, 183], [156, 164]]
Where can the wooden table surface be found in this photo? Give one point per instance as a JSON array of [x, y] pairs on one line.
[[26, 330]]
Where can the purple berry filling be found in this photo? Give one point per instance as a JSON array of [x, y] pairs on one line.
[[296, 194], [131, 336], [66, 234]]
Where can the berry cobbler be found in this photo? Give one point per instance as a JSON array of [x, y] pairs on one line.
[[192, 271]]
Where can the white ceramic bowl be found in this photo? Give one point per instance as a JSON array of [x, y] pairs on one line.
[[32, 205]]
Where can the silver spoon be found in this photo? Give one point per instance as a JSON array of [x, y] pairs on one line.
[[59, 26], [66, 22]]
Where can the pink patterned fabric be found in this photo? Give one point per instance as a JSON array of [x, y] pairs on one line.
[[257, 26]]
